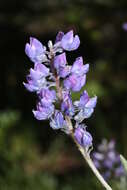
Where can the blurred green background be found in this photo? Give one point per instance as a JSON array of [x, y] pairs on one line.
[[33, 156]]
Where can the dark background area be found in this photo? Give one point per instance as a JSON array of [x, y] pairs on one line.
[[33, 156]]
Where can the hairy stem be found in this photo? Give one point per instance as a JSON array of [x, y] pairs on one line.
[[58, 88], [86, 156]]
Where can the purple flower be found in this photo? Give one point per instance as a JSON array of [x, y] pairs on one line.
[[60, 61], [57, 122], [54, 83], [35, 85], [47, 97], [112, 156], [108, 163], [59, 36], [98, 156], [97, 164], [35, 51], [74, 82], [106, 174], [85, 106], [125, 26], [108, 160], [111, 145], [36, 79], [77, 78], [86, 101], [64, 71], [83, 114], [60, 65], [83, 137], [119, 171], [66, 105], [43, 113], [78, 67], [87, 139], [69, 42], [41, 68]]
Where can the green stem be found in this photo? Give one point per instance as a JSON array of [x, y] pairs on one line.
[[86, 156]]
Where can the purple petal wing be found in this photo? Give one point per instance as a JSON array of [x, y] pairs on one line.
[[92, 102]]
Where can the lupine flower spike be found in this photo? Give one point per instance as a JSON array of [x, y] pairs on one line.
[[53, 80], [107, 160]]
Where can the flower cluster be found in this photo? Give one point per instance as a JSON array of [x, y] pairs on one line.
[[107, 160], [54, 80]]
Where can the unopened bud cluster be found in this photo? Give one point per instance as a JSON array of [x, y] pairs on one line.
[[107, 160]]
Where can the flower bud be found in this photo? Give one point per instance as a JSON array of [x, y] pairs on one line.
[[83, 137], [58, 121], [70, 42]]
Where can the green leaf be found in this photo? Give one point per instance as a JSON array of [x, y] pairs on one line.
[[124, 162]]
